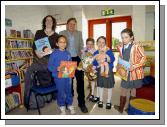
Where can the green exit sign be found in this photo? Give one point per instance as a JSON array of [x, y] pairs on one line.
[[107, 12]]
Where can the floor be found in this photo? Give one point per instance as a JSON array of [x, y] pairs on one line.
[[52, 108]]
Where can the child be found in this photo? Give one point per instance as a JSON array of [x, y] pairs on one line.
[[89, 49], [104, 82], [102, 61], [132, 56], [64, 95]]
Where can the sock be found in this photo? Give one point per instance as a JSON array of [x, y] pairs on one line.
[[109, 95], [97, 94], [101, 93], [93, 87]]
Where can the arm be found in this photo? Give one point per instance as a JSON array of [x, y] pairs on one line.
[[81, 44], [53, 63], [37, 36], [140, 51], [110, 55], [95, 63]]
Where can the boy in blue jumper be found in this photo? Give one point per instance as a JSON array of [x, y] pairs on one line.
[[64, 95]]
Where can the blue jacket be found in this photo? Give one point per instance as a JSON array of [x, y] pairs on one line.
[[55, 58]]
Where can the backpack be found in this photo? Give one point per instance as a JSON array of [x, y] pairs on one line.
[[42, 78]]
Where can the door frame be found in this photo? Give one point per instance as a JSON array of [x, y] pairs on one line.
[[108, 22]]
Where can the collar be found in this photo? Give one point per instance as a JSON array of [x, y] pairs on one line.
[[127, 45]]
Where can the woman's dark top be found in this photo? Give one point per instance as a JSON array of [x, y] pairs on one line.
[[52, 40]]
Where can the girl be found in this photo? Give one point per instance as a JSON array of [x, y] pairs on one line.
[[102, 81], [133, 53], [64, 95], [90, 48]]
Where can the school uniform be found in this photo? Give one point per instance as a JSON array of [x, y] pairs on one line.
[[64, 95], [130, 83], [105, 82]]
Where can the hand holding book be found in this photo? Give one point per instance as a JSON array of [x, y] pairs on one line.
[[124, 63]]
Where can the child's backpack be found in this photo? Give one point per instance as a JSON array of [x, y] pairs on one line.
[[42, 78]]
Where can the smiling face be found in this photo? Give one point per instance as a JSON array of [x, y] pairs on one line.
[[49, 22], [71, 26], [126, 38], [62, 43], [101, 43], [89, 45]]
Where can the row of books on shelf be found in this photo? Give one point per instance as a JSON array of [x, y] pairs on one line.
[[15, 54], [18, 44], [14, 33], [11, 66], [12, 100]]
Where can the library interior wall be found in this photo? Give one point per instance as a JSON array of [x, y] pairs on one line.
[[30, 17], [26, 17]]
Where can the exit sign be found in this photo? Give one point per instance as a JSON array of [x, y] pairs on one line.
[[107, 12]]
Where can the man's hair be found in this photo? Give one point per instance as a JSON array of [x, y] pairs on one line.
[[72, 19]]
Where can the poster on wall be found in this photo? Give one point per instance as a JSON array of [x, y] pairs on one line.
[[8, 22]]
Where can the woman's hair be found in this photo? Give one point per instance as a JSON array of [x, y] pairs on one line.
[[102, 38], [72, 19], [128, 31], [54, 22], [90, 39], [60, 36]]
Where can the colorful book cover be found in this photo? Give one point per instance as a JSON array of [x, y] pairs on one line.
[[43, 46], [67, 69], [122, 72]]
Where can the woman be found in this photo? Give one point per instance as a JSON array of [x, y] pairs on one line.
[[39, 61]]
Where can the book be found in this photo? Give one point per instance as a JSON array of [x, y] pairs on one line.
[[13, 33], [28, 34], [122, 72], [8, 82], [18, 33], [8, 55], [67, 69], [43, 46]]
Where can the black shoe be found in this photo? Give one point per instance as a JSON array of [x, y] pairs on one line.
[[83, 109], [91, 98], [108, 105], [100, 104], [96, 99]]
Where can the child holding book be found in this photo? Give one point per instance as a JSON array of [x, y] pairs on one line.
[[104, 81], [64, 95], [133, 58], [90, 48]]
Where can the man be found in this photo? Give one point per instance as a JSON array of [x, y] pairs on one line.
[[75, 44]]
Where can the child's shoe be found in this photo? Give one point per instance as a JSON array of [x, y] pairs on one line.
[[108, 105], [71, 108], [91, 98], [100, 104], [96, 99], [63, 110]]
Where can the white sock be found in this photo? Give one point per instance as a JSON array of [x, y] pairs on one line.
[[97, 94], [101, 93], [109, 95], [93, 87]]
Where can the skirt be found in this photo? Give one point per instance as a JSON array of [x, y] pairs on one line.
[[131, 84], [105, 82]]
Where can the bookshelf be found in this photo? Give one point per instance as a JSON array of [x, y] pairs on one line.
[[18, 56]]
